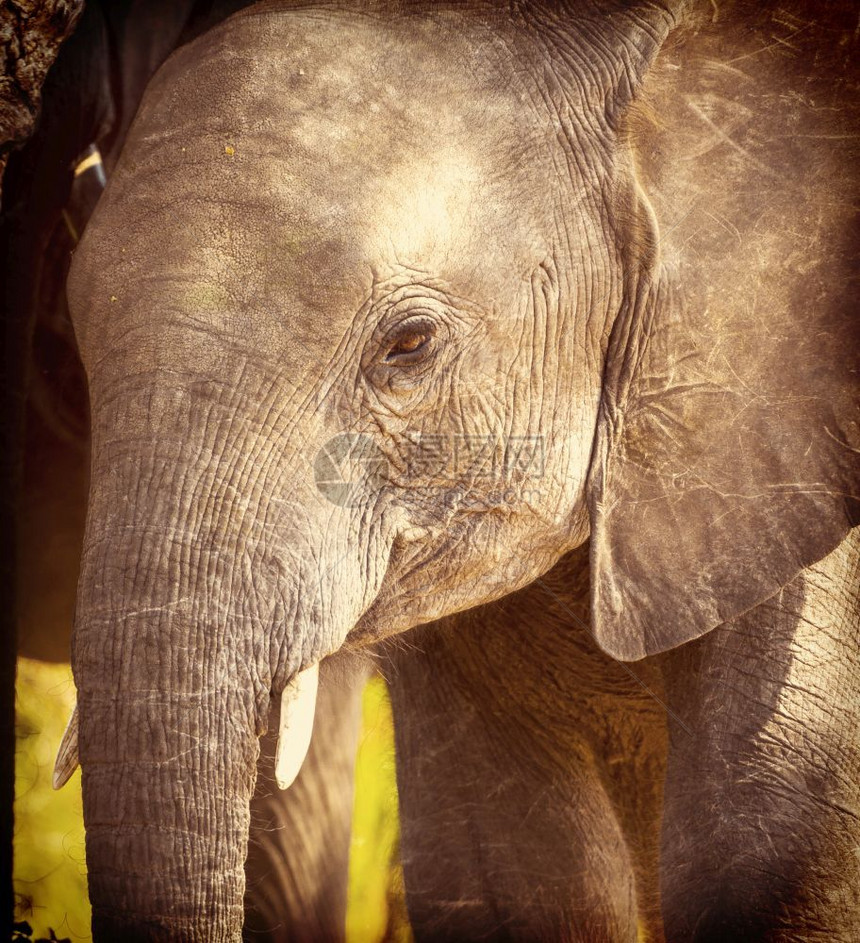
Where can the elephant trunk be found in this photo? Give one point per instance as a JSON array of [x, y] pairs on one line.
[[174, 680], [166, 817]]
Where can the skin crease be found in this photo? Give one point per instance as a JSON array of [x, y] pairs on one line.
[[229, 331]]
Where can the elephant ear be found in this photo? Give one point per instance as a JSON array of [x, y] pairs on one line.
[[726, 457]]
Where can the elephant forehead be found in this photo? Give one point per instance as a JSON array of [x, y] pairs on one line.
[[340, 149]]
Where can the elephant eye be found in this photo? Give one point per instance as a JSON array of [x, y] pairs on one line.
[[409, 343]]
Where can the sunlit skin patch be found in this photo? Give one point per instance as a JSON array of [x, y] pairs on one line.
[[426, 208]]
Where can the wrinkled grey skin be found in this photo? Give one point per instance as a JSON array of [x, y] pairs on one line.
[[620, 231]]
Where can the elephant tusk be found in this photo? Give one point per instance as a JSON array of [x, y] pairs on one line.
[[298, 703], [67, 755]]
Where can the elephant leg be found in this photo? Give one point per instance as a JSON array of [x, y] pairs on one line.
[[761, 827], [508, 730], [298, 855]]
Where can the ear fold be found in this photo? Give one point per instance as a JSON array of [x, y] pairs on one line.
[[614, 45], [727, 448]]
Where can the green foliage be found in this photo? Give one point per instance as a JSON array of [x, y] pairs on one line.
[[50, 871]]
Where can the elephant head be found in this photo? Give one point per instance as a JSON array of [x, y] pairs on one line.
[[376, 328]]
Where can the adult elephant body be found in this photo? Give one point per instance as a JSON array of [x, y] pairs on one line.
[[387, 313]]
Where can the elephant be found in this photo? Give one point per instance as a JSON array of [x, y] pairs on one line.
[[510, 346]]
